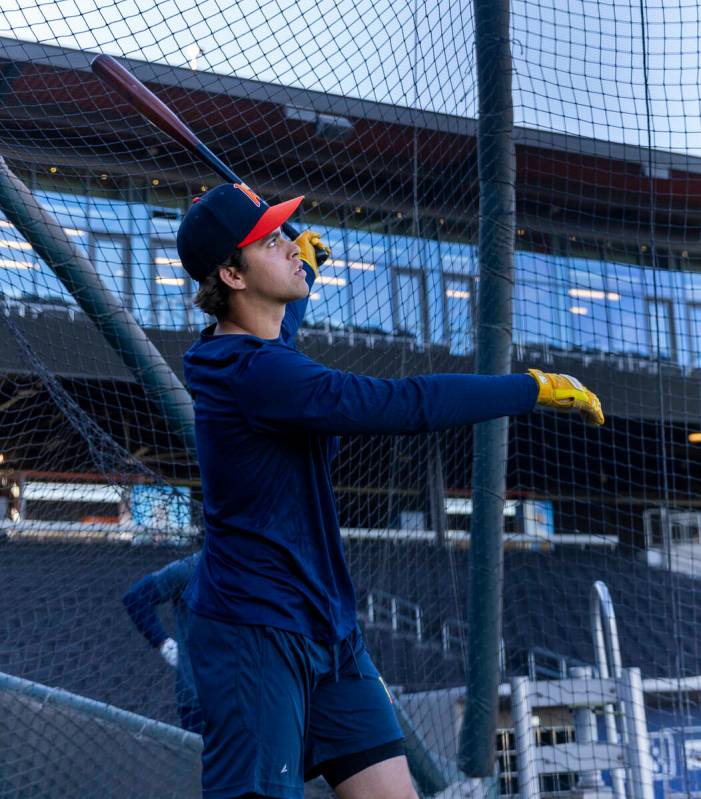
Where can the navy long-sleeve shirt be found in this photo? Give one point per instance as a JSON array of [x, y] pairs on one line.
[[142, 601], [267, 418]]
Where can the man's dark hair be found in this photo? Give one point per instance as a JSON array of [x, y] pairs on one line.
[[213, 294]]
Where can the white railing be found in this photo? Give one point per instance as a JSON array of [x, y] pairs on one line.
[[401, 615]]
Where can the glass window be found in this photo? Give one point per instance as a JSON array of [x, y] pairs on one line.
[[589, 307], [660, 328], [436, 307], [409, 305], [538, 314], [328, 299], [109, 255], [695, 335], [370, 281], [534, 268], [460, 258], [627, 325], [372, 299], [458, 301], [172, 289]]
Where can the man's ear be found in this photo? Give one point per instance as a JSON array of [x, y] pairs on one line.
[[230, 276]]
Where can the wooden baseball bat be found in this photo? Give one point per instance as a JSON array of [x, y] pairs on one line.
[[155, 111]]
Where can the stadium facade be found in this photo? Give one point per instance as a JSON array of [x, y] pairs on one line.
[[607, 277]]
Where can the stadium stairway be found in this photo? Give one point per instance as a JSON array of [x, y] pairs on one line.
[[546, 601]]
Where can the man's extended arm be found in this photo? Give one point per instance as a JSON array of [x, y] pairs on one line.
[[283, 389]]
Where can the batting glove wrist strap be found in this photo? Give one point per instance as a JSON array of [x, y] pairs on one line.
[[566, 393]]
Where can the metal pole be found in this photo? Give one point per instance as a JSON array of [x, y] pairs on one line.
[[637, 744], [497, 171], [607, 656], [528, 782], [117, 325], [134, 723], [588, 782]]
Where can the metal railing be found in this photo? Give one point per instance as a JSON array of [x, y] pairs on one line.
[[402, 616], [607, 656]]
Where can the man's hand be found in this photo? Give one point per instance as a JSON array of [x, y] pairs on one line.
[[169, 652], [308, 242], [565, 393]]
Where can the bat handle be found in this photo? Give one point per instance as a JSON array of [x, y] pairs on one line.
[[292, 233]]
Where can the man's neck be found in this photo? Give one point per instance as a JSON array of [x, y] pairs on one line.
[[262, 322]]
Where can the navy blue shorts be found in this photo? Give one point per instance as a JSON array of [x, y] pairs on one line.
[[280, 708]]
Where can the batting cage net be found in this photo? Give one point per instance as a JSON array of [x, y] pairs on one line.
[[372, 111]]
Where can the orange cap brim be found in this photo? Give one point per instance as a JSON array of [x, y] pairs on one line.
[[273, 218]]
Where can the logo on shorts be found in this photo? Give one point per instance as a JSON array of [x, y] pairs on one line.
[[252, 196], [283, 770]]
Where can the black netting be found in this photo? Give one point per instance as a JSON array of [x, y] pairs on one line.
[[371, 111]]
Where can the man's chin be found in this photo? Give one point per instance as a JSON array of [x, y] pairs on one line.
[[301, 294]]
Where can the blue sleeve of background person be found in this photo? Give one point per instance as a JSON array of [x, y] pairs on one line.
[[142, 599], [294, 312], [283, 389]]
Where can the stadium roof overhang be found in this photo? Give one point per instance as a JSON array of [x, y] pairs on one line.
[[269, 132]]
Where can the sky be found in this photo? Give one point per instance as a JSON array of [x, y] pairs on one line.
[[579, 65]]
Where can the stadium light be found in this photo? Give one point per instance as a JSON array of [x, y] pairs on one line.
[[594, 294], [339, 263], [14, 244], [579, 310], [170, 281], [695, 438], [10, 263], [333, 281]]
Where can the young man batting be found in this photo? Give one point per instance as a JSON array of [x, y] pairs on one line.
[[287, 688]]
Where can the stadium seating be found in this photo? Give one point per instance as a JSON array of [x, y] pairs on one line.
[[63, 622]]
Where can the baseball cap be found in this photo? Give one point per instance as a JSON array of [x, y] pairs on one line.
[[224, 219]]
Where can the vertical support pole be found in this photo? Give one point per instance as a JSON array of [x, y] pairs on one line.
[[637, 742], [436, 489], [607, 655], [585, 732], [497, 169], [528, 787]]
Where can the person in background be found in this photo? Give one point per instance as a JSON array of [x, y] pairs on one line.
[[141, 602]]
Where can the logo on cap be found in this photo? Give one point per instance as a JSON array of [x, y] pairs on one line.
[[252, 196]]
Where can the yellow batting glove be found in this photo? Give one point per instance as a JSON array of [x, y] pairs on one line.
[[565, 393], [310, 246]]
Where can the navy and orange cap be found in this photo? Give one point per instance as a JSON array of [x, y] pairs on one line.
[[224, 219]]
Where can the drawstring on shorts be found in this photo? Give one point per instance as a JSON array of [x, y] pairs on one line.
[[336, 652]]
